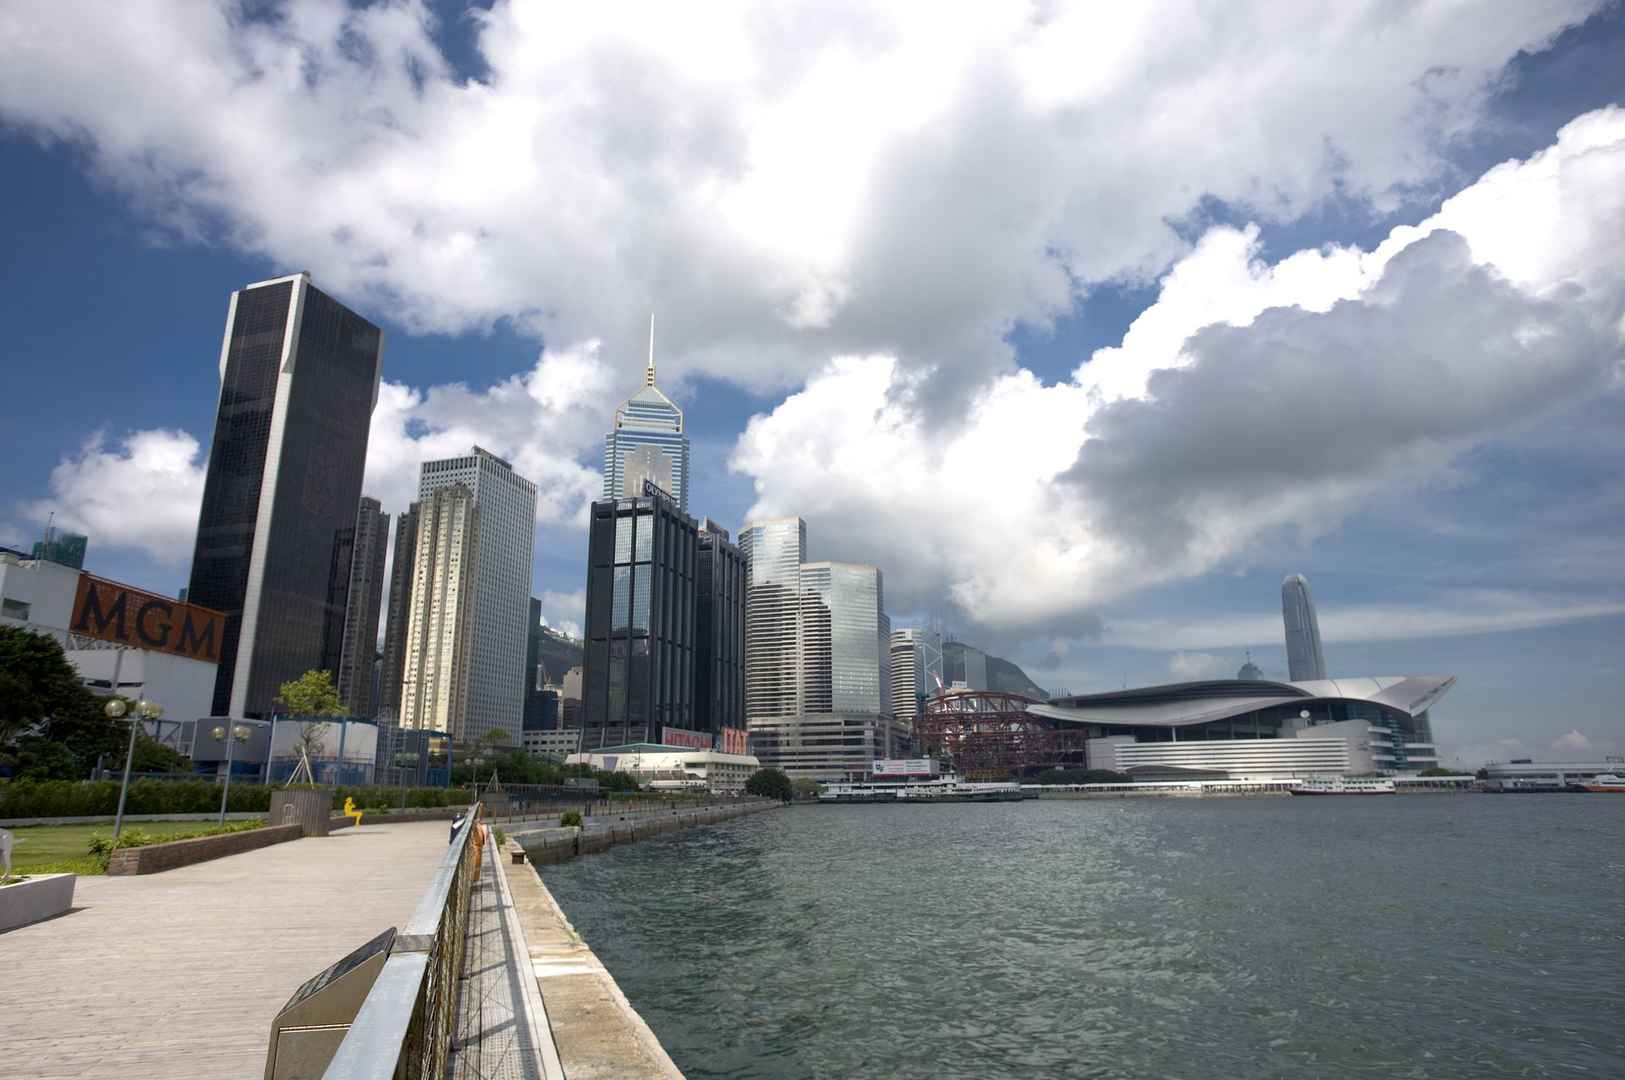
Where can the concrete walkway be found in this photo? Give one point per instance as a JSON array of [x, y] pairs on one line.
[[179, 974]]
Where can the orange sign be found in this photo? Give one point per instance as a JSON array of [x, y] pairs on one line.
[[112, 612]]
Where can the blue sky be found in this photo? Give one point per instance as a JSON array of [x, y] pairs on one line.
[[901, 260]]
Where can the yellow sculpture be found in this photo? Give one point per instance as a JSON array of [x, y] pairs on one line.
[[351, 811]]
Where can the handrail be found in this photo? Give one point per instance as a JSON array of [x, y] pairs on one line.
[[404, 1027]]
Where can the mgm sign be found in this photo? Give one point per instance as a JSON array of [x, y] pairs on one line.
[[112, 612]]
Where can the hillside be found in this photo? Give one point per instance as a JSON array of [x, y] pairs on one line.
[[1002, 675], [559, 654]]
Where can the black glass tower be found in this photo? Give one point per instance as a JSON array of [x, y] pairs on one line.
[[298, 381], [638, 673], [719, 632]]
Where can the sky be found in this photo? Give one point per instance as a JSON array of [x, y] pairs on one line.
[[1085, 325]]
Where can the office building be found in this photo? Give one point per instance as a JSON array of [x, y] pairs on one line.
[[1304, 657], [648, 443], [817, 657], [557, 743], [64, 549], [916, 672], [298, 381], [399, 613], [354, 679], [440, 634], [1258, 729], [638, 671], [673, 768], [719, 632], [501, 601], [534, 677]]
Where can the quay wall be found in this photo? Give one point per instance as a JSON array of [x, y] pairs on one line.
[[543, 842], [1165, 795]]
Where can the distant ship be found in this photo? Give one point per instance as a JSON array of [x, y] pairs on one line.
[[1605, 783], [1343, 785], [937, 790]]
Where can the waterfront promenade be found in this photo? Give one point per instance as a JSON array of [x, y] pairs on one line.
[[179, 974]]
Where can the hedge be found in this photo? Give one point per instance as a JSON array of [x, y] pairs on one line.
[[99, 798]]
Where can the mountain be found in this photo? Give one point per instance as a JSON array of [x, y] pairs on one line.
[[559, 653], [1000, 674]]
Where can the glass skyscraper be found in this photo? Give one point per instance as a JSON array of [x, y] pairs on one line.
[[1304, 657], [298, 382], [719, 632], [648, 443], [354, 678], [501, 602]]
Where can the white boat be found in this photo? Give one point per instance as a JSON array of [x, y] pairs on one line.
[[1605, 784], [1343, 785], [937, 789]]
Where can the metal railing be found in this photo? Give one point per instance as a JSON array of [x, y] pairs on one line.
[[404, 1028]]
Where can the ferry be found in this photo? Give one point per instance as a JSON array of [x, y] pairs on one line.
[[938, 789], [1605, 784], [1343, 785]]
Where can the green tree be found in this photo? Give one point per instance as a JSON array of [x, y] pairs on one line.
[[770, 784], [1436, 771], [36, 681], [311, 694], [805, 788]]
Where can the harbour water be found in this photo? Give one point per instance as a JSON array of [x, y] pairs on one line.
[[1393, 936]]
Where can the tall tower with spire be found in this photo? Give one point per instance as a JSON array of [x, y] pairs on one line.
[[648, 442]]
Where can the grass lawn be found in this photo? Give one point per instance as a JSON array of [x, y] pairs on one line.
[[50, 849]]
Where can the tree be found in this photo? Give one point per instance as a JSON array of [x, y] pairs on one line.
[[311, 694], [1436, 771], [770, 784], [805, 788], [36, 681]]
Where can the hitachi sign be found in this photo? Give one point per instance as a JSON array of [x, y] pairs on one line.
[[112, 612]]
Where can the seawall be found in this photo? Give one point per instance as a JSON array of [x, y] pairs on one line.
[[546, 843]]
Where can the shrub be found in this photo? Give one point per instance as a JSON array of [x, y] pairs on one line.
[[102, 847], [570, 817]]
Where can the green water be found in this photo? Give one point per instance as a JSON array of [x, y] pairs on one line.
[[1406, 936]]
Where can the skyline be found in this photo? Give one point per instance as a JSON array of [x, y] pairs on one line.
[[1486, 528]]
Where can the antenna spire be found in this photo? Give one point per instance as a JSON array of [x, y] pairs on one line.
[[649, 373]]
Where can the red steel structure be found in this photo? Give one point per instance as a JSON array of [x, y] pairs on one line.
[[988, 733]]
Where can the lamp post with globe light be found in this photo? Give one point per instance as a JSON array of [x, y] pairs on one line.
[[239, 733], [142, 710]]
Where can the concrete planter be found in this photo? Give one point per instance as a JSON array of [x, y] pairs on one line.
[[41, 896], [309, 807]]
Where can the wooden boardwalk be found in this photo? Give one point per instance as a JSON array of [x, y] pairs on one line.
[[179, 974]]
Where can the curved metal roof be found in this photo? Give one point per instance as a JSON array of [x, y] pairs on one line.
[[1183, 704]]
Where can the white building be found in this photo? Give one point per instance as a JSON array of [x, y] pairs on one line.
[[648, 443], [439, 635], [501, 603], [674, 768], [560, 743], [916, 671]]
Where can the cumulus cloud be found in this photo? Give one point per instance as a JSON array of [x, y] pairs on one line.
[[140, 490], [788, 182], [1248, 399], [564, 612]]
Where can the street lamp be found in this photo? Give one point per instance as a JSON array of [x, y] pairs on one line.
[[239, 733], [143, 710]]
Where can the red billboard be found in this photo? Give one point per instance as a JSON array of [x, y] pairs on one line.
[[112, 612], [732, 740], [688, 740]]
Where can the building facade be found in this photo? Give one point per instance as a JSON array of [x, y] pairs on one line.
[[501, 600], [673, 768], [719, 632], [638, 669], [298, 381], [1305, 659], [399, 612], [63, 548], [916, 672], [365, 596], [440, 638], [773, 552], [648, 443]]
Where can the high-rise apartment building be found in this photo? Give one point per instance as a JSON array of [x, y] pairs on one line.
[[298, 381], [507, 538], [916, 672], [719, 632], [638, 671], [399, 612], [648, 443], [817, 657], [1304, 657], [354, 679], [63, 548], [440, 638]]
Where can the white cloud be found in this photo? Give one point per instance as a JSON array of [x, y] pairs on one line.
[[784, 183], [564, 612], [140, 491], [1334, 376], [1191, 666]]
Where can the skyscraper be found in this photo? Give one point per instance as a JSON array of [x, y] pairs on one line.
[[298, 381], [1304, 657], [507, 538], [638, 670], [62, 548], [648, 443], [774, 551], [440, 634], [719, 632], [399, 612], [916, 671], [354, 679]]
